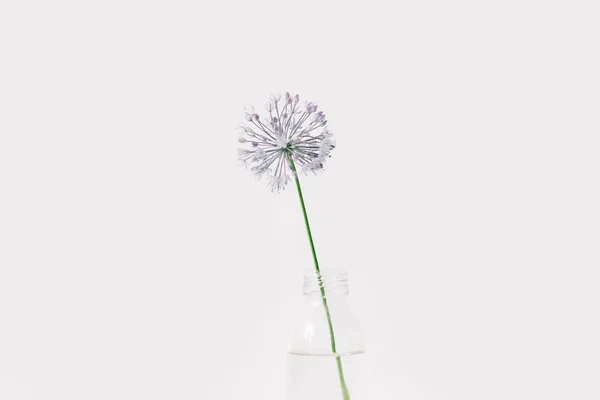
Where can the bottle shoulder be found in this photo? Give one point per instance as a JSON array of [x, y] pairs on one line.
[[322, 328]]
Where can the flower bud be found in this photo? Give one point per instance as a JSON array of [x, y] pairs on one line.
[[311, 107]]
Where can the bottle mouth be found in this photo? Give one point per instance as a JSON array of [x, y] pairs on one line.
[[321, 283]]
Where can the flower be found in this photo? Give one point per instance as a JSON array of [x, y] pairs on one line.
[[287, 139]]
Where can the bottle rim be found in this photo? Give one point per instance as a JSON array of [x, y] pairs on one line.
[[324, 282]]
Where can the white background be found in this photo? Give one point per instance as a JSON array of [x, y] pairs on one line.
[[138, 261]]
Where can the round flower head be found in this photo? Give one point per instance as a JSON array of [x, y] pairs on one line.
[[291, 137]]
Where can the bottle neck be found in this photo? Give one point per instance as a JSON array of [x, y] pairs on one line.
[[319, 284]]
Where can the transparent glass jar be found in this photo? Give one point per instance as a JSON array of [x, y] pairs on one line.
[[326, 351]]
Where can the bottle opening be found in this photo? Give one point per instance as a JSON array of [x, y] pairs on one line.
[[322, 283]]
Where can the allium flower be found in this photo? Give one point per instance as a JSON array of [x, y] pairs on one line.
[[289, 138]]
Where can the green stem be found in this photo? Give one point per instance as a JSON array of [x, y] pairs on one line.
[[338, 360]]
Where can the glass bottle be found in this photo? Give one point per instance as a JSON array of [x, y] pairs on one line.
[[325, 358]]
